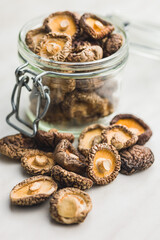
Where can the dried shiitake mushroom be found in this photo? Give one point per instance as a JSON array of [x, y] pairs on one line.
[[70, 179], [135, 159], [89, 84], [84, 106], [136, 125], [54, 114], [37, 162], [33, 190], [15, 146], [54, 46], [104, 163], [95, 26], [59, 87], [69, 158], [51, 138], [119, 136], [86, 54], [89, 137], [63, 22], [112, 44], [70, 205], [33, 37]]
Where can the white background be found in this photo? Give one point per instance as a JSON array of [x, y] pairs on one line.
[[128, 208]]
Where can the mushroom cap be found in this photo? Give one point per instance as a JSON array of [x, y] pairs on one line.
[[134, 122], [104, 164], [70, 179], [119, 136], [37, 162], [54, 46], [55, 23], [95, 26], [33, 191], [135, 159], [15, 146], [70, 205], [69, 158], [87, 137]]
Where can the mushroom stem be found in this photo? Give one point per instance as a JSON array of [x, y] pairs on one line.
[[98, 24], [104, 164], [41, 160], [34, 186], [64, 25]]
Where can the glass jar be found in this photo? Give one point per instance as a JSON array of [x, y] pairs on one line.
[[80, 93]]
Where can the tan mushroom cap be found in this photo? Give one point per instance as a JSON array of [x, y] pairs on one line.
[[96, 27], [54, 46], [62, 22], [38, 162], [70, 205], [89, 136], [33, 190], [119, 136], [104, 164]]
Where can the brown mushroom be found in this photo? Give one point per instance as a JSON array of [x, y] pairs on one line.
[[63, 22], [119, 136], [51, 138], [33, 37], [86, 54], [85, 107], [33, 191], [90, 136], [69, 158], [54, 46], [70, 205], [112, 44], [37, 162], [136, 125], [104, 163], [15, 146], [135, 159], [95, 26], [70, 179]]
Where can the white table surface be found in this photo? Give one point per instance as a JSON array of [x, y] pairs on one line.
[[128, 208]]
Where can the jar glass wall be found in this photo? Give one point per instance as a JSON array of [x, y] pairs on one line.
[[80, 93]]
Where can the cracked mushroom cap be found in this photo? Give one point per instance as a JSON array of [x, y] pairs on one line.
[[89, 137], [112, 44], [69, 158], [33, 37], [63, 22], [37, 162], [33, 190], [70, 205], [119, 136], [70, 179], [54, 46], [135, 159], [15, 146], [104, 164], [86, 54], [95, 26], [136, 125]]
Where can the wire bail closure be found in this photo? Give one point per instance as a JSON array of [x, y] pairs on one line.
[[23, 76]]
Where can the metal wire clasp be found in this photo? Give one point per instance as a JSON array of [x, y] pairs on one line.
[[23, 76]]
